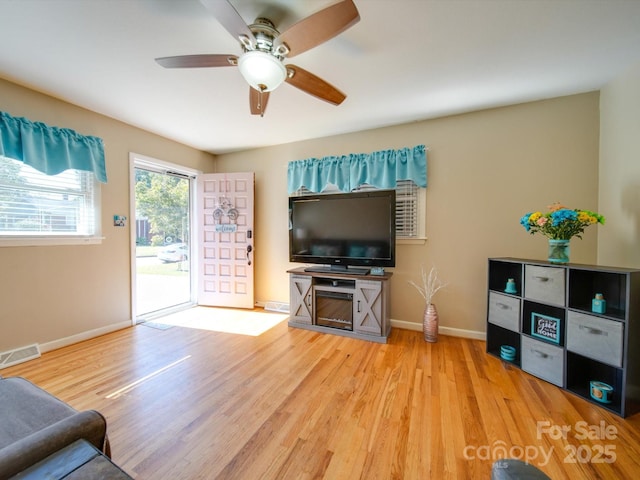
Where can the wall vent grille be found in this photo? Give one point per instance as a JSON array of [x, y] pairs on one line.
[[277, 307], [19, 355]]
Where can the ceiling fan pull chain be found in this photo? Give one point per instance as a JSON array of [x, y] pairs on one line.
[[262, 89]]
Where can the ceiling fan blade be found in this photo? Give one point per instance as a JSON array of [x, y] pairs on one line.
[[309, 83], [229, 18], [258, 101], [319, 27], [198, 61]]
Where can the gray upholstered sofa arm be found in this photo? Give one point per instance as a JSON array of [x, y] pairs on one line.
[[19, 455]]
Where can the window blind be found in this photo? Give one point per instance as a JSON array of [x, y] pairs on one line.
[[406, 209], [33, 203]]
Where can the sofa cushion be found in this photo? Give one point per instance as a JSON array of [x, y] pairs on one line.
[[14, 458], [27, 409], [35, 424], [77, 461]]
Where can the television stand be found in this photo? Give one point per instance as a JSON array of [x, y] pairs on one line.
[[338, 269], [340, 303]]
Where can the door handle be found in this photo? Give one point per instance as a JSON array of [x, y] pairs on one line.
[[249, 250], [540, 354], [593, 331]]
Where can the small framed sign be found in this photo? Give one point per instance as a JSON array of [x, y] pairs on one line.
[[543, 326], [226, 227]]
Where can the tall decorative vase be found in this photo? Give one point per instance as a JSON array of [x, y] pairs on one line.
[[430, 323], [559, 251]]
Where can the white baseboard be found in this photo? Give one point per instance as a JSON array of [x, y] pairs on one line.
[[452, 332], [406, 325], [63, 342]]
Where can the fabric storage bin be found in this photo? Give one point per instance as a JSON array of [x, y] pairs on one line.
[[504, 311], [543, 360], [595, 337], [545, 284]]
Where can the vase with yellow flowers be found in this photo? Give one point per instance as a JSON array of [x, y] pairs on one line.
[[560, 224]]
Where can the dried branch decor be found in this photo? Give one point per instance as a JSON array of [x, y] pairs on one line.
[[430, 284]]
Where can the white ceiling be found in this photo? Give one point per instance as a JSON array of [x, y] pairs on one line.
[[406, 60]]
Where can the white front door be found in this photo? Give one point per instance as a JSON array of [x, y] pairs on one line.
[[225, 246]]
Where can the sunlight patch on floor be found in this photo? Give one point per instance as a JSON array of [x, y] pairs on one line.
[[132, 385], [227, 320]]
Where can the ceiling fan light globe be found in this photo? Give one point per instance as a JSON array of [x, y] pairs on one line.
[[262, 71]]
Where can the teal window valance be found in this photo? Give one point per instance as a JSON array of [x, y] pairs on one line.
[[382, 169], [50, 150]]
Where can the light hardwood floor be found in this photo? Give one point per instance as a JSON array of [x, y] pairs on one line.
[[190, 403]]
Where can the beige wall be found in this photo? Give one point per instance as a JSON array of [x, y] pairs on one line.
[[486, 169], [52, 293], [619, 240]]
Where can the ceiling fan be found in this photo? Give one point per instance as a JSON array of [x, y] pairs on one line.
[[265, 49]]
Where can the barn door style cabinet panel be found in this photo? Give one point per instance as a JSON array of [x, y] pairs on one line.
[[576, 326], [350, 305], [300, 300]]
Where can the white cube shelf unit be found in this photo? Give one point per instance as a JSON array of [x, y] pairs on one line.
[[559, 336]]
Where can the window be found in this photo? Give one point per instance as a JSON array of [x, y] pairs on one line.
[[410, 207], [36, 208], [408, 201]]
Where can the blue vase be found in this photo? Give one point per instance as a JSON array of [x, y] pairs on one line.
[[559, 251]]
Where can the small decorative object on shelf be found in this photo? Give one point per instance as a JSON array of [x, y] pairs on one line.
[[507, 352], [430, 286], [560, 225], [600, 391], [545, 327], [599, 304], [511, 286], [377, 271]]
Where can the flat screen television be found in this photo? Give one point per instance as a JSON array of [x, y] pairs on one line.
[[343, 230]]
